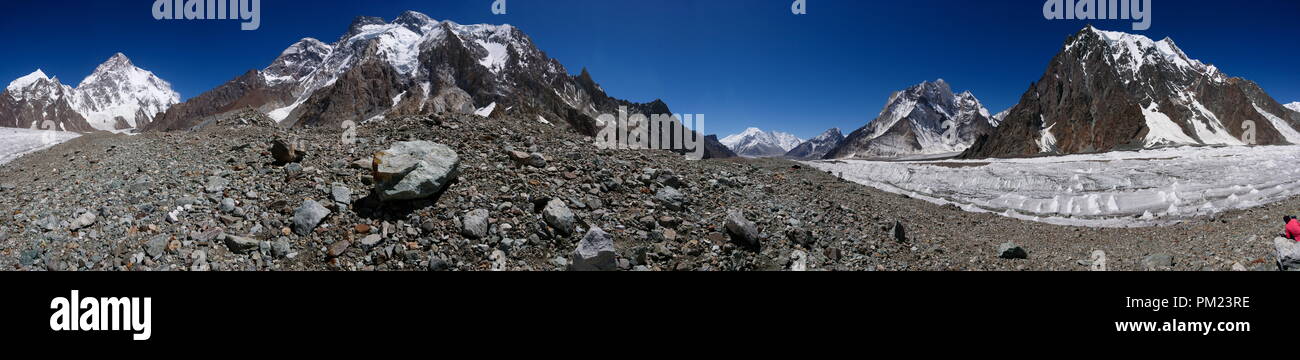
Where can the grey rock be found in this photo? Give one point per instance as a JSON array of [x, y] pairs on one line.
[[438, 264], [559, 217], [342, 194], [799, 235], [1010, 250], [84, 220], [898, 232], [595, 252], [742, 231], [1157, 261], [216, 184], [1288, 254], [521, 158], [798, 261], [227, 205], [29, 257], [49, 223], [293, 169], [536, 160], [285, 152], [308, 216], [281, 248], [414, 170], [371, 240], [240, 244], [156, 246], [671, 198], [475, 224]]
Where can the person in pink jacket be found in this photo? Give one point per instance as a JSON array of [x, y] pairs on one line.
[[1292, 228]]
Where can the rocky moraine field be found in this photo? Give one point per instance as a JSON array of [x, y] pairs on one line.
[[467, 193]]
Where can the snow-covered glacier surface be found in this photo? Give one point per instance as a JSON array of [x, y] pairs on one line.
[[1118, 189], [15, 143]]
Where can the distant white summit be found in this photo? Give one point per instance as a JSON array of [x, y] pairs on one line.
[[1294, 106], [755, 142], [925, 119]]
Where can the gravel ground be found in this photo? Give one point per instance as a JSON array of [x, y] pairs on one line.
[[217, 199]]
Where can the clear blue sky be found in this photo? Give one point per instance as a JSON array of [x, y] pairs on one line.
[[740, 62]]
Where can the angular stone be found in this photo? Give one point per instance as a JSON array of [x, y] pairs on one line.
[[559, 217], [240, 244], [308, 216], [285, 152], [742, 231], [475, 224], [414, 170], [594, 253], [1010, 250]]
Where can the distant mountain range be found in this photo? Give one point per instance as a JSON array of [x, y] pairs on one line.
[[116, 96], [755, 142], [413, 65], [1103, 91]]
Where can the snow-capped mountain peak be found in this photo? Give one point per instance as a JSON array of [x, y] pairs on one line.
[[754, 142], [20, 83], [1293, 106], [917, 121], [996, 119], [119, 95], [36, 85], [1151, 93], [116, 96], [816, 148], [1129, 53]]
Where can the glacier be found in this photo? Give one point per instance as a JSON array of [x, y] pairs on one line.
[[1117, 189], [15, 143]]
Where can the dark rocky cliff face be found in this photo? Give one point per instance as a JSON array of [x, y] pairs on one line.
[[247, 91], [41, 114], [1110, 91]]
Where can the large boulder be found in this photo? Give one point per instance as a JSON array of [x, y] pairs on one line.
[[287, 151], [594, 253], [1158, 261], [742, 231], [670, 198], [1288, 254], [414, 170], [559, 217], [1009, 250]]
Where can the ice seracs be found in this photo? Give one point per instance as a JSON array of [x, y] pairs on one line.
[[754, 142], [1114, 189]]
